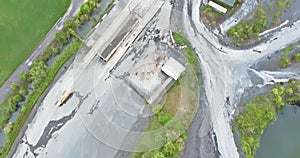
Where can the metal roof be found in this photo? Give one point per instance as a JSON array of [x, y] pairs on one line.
[[173, 68], [229, 2], [217, 7]]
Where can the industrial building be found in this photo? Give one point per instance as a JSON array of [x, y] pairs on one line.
[[173, 68]]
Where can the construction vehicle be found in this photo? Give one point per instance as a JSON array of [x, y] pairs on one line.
[[65, 97]]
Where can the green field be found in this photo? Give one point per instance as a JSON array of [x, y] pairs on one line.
[[23, 24]]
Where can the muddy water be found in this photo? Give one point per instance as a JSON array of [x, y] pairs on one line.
[[88, 25], [281, 139], [2, 134]]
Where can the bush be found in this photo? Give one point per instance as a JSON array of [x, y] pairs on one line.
[[288, 49], [62, 37], [250, 29], [179, 38], [284, 62], [296, 57], [24, 77], [16, 98], [156, 109], [261, 111], [9, 127], [14, 87], [34, 95]]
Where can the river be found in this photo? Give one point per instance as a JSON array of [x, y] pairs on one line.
[[280, 139]]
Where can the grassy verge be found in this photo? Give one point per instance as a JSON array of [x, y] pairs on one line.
[[20, 21], [174, 113], [261, 111], [34, 95], [191, 56], [61, 38]]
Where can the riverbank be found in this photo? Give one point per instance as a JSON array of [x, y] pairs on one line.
[[278, 140], [261, 105], [256, 114]]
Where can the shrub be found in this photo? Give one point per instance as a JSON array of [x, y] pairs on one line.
[[8, 128], [296, 57], [284, 62]]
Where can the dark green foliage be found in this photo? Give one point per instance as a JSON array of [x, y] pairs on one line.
[[289, 49], [38, 73], [37, 76], [250, 29], [62, 37], [261, 111], [296, 57], [284, 62], [170, 140], [190, 53]]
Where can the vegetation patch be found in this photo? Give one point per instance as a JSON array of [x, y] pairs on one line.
[[284, 62], [286, 59], [211, 17], [296, 57], [191, 55], [40, 76], [289, 49], [174, 114], [261, 111], [248, 30], [280, 7], [22, 26]]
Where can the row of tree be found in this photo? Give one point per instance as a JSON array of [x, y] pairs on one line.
[[41, 75]]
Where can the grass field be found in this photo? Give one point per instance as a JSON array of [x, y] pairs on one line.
[[23, 24]]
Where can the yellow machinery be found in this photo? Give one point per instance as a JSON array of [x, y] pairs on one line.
[[65, 97]]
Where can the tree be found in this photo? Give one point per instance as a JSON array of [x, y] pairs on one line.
[[169, 150], [160, 140], [153, 154], [23, 76], [14, 87], [164, 118], [24, 109], [156, 109], [284, 62], [38, 72], [22, 91], [8, 128], [296, 57], [16, 98], [61, 37]]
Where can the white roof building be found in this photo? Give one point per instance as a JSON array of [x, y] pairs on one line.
[[217, 7], [173, 68]]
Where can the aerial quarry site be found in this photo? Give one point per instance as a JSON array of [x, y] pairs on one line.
[[152, 79]]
